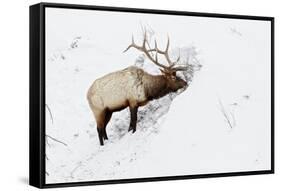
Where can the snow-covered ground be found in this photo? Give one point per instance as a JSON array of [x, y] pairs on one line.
[[220, 123]]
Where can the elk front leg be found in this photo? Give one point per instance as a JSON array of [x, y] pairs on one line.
[[107, 119], [100, 119], [134, 118], [100, 133]]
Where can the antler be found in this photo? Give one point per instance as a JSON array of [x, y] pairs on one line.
[[144, 50], [167, 69]]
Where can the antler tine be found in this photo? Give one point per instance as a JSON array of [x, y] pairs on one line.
[[172, 64], [145, 51], [166, 53], [144, 39], [179, 68], [156, 56], [179, 56], [131, 45], [168, 44], [155, 61], [175, 62]]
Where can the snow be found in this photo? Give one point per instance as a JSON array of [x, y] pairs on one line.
[[180, 134]]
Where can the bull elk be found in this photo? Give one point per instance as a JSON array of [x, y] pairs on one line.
[[133, 87]]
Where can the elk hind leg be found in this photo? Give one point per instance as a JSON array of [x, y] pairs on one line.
[[134, 118]]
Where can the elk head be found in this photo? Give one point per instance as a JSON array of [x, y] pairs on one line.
[[169, 71]]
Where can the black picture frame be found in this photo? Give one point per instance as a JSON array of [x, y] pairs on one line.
[[37, 94]]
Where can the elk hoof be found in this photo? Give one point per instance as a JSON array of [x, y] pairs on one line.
[[132, 129]]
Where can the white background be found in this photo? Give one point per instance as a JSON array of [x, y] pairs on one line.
[[14, 94]]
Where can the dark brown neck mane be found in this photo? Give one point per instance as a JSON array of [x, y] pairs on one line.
[[155, 86]]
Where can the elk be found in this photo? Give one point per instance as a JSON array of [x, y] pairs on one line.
[[133, 87]]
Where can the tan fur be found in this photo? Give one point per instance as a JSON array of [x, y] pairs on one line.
[[117, 89]]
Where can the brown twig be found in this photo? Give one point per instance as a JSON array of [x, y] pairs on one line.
[[225, 114], [72, 172], [233, 118], [47, 142], [51, 115], [54, 139]]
